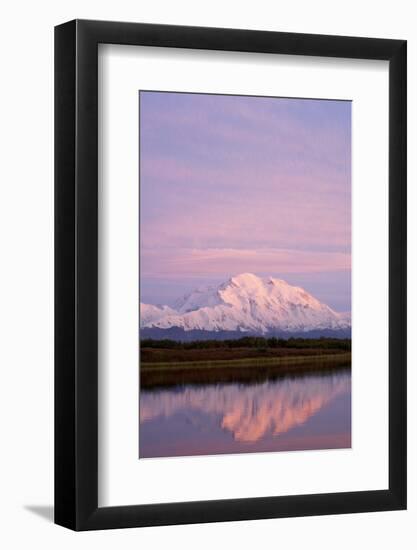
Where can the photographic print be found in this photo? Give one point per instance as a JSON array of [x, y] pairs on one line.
[[245, 274]]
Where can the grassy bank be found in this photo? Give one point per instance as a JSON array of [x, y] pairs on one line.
[[238, 370], [250, 362], [246, 348], [251, 358]]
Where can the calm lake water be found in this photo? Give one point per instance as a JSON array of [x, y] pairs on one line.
[[284, 414]]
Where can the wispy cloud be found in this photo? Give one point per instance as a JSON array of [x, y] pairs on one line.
[[220, 262]]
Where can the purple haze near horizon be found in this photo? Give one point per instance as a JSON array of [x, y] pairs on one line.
[[233, 184]]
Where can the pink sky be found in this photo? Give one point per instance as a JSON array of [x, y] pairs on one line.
[[235, 184]]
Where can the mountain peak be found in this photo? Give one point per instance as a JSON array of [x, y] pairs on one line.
[[247, 303], [246, 278], [252, 280]]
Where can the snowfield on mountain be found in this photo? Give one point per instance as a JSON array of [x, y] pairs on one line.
[[246, 303], [149, 313]]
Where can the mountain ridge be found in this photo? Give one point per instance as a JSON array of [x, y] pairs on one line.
[[246, 304]]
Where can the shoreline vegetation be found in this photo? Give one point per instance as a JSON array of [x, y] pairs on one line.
[[168, 362]]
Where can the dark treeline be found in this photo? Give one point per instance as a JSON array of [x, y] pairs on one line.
[[252, 342]]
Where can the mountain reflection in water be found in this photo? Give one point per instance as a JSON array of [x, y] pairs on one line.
[[290, 413]]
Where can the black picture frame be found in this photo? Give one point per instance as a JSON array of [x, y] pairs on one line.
[[76, 274]]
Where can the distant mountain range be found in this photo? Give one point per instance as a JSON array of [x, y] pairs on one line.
[[245, 304]]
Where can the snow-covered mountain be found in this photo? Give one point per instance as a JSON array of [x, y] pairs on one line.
[[150, 314], [246, 303]]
